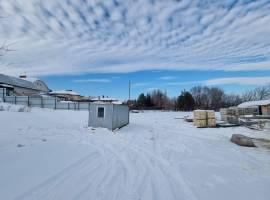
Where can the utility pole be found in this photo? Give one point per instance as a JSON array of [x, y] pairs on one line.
[[129, 87]]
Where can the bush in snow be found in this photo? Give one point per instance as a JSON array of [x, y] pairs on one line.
[[14, 108]]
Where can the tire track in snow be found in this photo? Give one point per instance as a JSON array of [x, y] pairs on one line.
[[116, 169], [151, 164], [44, 189]]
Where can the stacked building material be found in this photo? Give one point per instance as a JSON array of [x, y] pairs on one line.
[[232, 114], [211, 118], [204, 118], [251, 110], [200, 117], [224, 113]]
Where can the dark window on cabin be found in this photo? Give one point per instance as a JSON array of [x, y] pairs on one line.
[[100, 113]]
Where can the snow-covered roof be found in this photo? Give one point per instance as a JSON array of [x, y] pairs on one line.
[[9, 80], [117, 102], [6, 86], [68, 92], [30, 79], [104, 102], [254, 103], [104, 99]]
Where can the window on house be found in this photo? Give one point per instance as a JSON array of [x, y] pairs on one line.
[[101, 112]]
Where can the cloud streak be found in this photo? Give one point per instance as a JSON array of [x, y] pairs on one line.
[[92, 81], [253, 81], [166, 78], [75, 37]]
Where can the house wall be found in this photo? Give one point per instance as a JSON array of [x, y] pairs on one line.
[[120, 116], [24, 91], [67, 97], [95, 121], [41, 86]]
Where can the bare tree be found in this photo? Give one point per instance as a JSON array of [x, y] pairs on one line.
[[201, 97], [232, 100], [213, 98], [217, 97], [263, 92], [5, 47], [259, 93]]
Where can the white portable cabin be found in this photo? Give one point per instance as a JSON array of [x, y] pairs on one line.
[[107, 115]]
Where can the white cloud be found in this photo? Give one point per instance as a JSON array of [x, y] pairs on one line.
[[152, 89], [239, 81], [133, 85], [92, 81], [183, 83], [166, 78], [75, 37]]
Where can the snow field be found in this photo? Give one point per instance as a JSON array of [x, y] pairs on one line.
[[47, 154]]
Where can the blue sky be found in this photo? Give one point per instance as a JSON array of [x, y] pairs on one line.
[[173, 82], [96, 46]]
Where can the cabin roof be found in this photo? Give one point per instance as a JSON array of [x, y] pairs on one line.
[[254, 103]]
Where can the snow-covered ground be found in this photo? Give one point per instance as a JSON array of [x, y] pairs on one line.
[[47, 154]]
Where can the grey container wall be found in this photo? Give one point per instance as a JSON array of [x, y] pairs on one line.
[[115, 116]]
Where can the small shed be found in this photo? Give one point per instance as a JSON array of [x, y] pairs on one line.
[[262, 105], [107, 115]]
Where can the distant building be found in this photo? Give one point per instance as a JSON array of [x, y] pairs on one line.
[[262, 105], [66, 95], [22, 86], [103, 99], [41, 85]]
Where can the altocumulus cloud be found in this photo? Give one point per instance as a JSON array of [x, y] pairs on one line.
[[73, 37]]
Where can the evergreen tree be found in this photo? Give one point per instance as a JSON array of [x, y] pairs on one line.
[[185, 102], [141, 100], [148, 101]]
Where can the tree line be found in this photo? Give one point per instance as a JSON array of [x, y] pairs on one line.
[[198, 97]]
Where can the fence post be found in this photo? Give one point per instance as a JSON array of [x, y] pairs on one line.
[[55, 104], [15, 100], [68, 105], [28, 101], [88, 106], [41, 101], [78, 105], [4, 95]]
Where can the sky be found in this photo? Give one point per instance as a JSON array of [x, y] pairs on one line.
[[95, 47]]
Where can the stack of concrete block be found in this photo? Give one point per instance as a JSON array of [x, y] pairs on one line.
[[252, 111], [224, 112], [232, 114], [200, 118], [204, 118], [211, 118]]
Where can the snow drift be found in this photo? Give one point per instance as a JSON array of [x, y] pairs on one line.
[[14, 108]]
